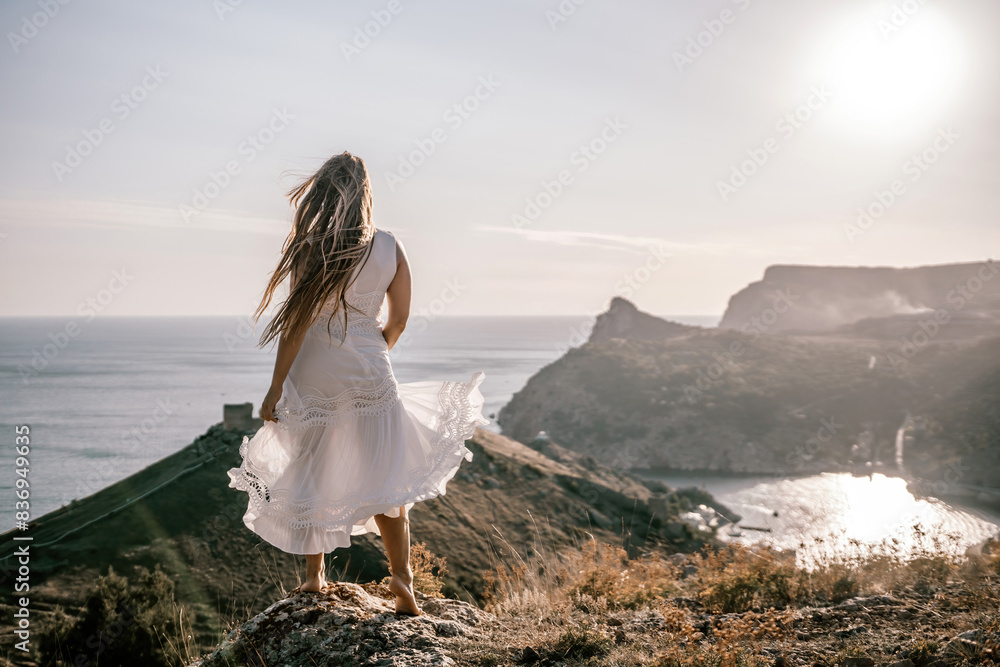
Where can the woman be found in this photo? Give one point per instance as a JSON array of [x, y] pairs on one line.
[[345, 449]]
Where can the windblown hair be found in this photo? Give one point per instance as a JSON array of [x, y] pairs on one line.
[[330, 237]]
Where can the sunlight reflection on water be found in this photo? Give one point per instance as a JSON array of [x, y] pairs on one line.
[[838, 515]]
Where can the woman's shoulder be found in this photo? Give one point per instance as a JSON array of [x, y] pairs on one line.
[[386, 234]]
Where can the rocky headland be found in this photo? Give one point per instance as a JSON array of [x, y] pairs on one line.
[[823, 298], [813, 369]]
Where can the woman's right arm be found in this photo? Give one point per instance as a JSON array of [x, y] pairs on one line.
[[398, 294], [288, 349], [289, 345]]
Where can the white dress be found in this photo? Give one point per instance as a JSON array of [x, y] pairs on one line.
[[350, 442]]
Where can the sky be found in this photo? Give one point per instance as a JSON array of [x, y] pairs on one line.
[[534, 158]]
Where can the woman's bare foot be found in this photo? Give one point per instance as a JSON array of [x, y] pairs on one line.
[[315, 584], [406, 601]]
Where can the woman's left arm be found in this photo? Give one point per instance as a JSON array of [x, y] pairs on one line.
[[398, 293]]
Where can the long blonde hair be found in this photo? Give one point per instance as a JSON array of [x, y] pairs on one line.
[[330, 237]]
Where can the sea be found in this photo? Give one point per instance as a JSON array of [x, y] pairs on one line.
[[838, 517], [107, 397]]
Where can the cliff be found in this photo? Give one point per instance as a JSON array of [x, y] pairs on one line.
[[822, 298], [624, 320], [723, 400]]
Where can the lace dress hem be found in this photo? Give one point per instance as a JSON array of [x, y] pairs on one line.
[[331, 522]]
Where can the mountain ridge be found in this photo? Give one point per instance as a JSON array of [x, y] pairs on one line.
[[649, 393]]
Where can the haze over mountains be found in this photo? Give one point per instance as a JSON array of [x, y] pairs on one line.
[[811, 369], [865, 300]]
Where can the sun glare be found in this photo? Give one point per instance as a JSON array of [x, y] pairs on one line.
[[893, 72], [839, 515]]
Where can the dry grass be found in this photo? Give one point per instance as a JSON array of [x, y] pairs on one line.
[[922, 566], [428, 571], [740, 579], [733, 579], [606, 572], [735, 606]]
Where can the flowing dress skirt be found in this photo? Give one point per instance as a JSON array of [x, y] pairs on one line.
[[350, 442]]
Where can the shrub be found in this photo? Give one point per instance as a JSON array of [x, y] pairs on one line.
[[709, 657], [922, 651], [428, 571], [581, 644], [834, 582], [606, 573], [122, 624], [992, 554], [738, 579]]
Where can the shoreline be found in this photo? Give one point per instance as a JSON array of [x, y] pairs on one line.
[[987, 498], [803, 504]]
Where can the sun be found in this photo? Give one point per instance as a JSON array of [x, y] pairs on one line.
[[893, 72]]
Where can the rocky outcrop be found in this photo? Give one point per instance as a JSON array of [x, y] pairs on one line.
[[821, 298], [624, 320], [348, 624], [354, 625]]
